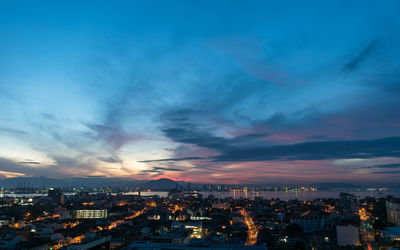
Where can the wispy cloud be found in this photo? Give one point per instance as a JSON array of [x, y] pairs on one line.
[[173, 159], [168, 169], [392, 165], [110, 159], [29, 162], [387, 172], [386, 147], [356, 61], [13, 131]]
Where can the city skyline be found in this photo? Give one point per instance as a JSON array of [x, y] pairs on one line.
[[210, 92]]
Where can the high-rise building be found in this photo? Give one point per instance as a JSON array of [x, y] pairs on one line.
[[348, 202], [56, 195], [393, 212]]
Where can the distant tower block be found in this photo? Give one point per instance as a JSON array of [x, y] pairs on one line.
[[56, 195]]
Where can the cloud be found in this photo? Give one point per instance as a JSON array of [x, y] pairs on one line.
[[161, 170], [181, 128], [249, 54], [29, 162], [352, 162], [393, 165], [48, 116], [260, 146], [113, 135], [355, 62], [116, 112], [174, 159], [320, 138], [13, 131], [168, 169], [64, 166], [111, 159], [95, 176], [386, 147], [387, 172], [11, 166]]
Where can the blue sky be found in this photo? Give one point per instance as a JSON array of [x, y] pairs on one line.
[[215, 91]]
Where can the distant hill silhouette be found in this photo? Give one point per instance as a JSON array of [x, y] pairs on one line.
[[39, 182], [163, 184], [334, 185]]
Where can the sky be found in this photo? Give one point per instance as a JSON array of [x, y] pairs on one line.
[[201, 91]]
